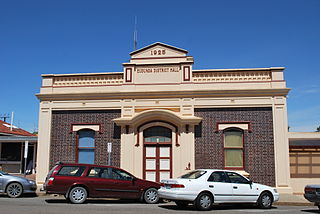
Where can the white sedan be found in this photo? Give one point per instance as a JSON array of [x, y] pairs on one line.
[[203, 187]]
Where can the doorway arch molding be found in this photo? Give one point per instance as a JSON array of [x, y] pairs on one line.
[[158, 114]]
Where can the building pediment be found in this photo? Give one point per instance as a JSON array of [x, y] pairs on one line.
[[157, 50], [158, 63]]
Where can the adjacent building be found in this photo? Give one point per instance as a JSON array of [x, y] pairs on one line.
[[14, 157], [304, 151], [163, 118]]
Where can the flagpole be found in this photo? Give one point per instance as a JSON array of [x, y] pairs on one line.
[[135, 34]]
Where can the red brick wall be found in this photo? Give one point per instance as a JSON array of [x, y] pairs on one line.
[[64, 142], [258, 145]]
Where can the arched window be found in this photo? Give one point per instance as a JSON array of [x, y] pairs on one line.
[[157, 134], [233, 148], [86, 146]]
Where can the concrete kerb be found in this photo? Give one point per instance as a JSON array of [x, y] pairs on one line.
[[293, 200]]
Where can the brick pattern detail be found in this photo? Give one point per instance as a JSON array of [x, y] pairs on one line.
[[64, 142], [258, 145]]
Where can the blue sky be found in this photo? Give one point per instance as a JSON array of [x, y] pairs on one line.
[[73, 36]]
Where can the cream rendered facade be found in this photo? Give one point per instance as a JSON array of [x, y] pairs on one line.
[[298, 183], [157, 84]]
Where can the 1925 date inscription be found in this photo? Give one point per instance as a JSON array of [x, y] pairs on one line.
[[158, 52]]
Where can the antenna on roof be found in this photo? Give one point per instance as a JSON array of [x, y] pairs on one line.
[[5, 117], [11, 124], [135, 34]]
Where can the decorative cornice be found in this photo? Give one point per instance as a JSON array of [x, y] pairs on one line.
[[83, 74], [164, 94], [238, 69]]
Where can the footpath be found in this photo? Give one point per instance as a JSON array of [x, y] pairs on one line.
[[293, 200]]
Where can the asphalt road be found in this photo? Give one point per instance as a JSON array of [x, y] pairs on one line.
[[57, 205]]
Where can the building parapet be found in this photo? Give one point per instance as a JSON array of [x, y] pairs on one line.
[[95, 79], [231, 76], [198, 76]]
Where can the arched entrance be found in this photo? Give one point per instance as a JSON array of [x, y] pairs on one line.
[[157, 153]]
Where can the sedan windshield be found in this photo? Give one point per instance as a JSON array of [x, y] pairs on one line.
[[194, 174], [3, 173]]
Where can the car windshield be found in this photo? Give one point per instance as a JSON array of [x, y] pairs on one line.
[[3, 173], [194, 174]]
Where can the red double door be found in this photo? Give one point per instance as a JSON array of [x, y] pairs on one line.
[[157, 162]]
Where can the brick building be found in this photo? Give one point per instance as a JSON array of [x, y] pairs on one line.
[[164, 118]]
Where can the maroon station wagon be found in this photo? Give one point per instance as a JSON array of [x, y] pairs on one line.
[[77, 182]]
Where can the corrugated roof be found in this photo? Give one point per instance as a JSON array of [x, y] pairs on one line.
[[5, 129], [304, 142], [12, 138]]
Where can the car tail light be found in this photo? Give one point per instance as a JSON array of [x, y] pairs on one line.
[[50, 181], [172, 185], [177, 186], [308, 189]]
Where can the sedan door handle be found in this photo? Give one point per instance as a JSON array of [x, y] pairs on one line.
[[235, 187]]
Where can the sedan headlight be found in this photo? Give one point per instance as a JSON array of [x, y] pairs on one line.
[[275, 190], [31, 182]]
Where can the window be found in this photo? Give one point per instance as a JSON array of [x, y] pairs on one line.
[[157, 134], [305, 162], [95, 172], [233, 148], [235, 178], [120, 175], [71, 170], [109, 173], [10, 152], [194, 174], [218, 177], [86, 146]]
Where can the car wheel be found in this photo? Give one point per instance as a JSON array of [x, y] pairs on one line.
[[182, 204], [151, 196], [204, 201], [14, 190], [265, 200], [78, 195]]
